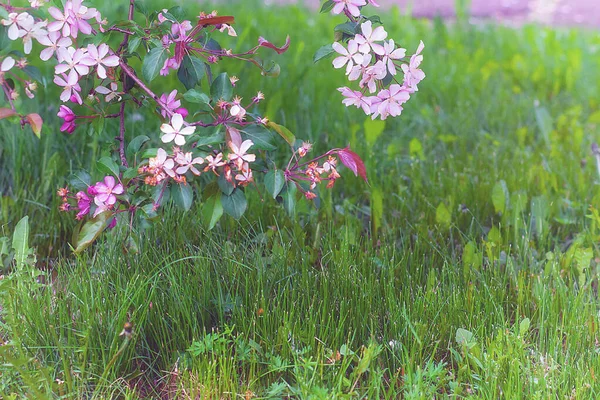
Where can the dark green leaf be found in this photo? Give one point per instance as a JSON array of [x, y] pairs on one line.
[[134, 43], [212, 211], [235, 204], [260, 135], [182, 195], [195, 96], [191, 71], [80, 180], [221, 88], [274, 181], [323, 52], [289, 198], [284, 132], [226, 187], [136, 144], [140, 6], [33, 72], [215, 137], [327, 6], [91, 230], [106, 165], [349, 28], [153, 62]]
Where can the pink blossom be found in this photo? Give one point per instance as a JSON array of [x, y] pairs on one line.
[[7, 63], [171, 103], [214, 162], [372, 75], [71, 87], [175, 131], [110, 93], [360, 69], [390, 54], [373, 3], [239, 155], [369, 36], [98, 57], [356, 98], [245, 175], [179, 31], [389, 102], [73, 18], [34, 32], [16, 23], [106, 191], [186, 162], [170, 63], [54, 42], [350, 5], [68, 117], [161, 164], [412, 74], [72, 60], [348, 56]]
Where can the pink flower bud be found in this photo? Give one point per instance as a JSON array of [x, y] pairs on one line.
[[184, 112]]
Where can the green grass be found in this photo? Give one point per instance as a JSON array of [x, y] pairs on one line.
[[480, 282]]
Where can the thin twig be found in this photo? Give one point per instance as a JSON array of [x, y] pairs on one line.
[[121, 137]]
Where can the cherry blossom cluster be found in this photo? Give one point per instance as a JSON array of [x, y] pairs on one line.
[[374, 63], [206, 130]]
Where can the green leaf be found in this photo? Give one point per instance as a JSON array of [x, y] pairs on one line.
[[136, 144], [442, 215], [289, 198], [373, 129], [260, 135], [191, 71], [500, 197], [134, 43], [140, 7], [327, 6], [106, 165], [212, 211], [274, 181], [216, 137], [226, 187], [20, 241], [80, 180], [91, 230], [197, 97], [221, 88], [33, 72], [324, 51], [544, 122], [463, 336], [349, 28], [153, 62], [182, 195], [284, 132], [235, 204], [524, 326]]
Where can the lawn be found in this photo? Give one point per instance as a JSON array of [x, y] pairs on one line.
[[467, 267]]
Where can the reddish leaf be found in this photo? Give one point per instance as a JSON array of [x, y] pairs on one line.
[[36, 123], [265, 43], [6, 112], [351, 160], [216, 21]]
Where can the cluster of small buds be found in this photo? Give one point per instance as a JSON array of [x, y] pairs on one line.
[[371, 60], [102, 196]]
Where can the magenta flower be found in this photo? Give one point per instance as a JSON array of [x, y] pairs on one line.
[[350, 5], [106, 191], [170, 63], [83, 204], [98, 57], [70, 85], [171, 102], [53, 42], [72, 19], [68, 117]]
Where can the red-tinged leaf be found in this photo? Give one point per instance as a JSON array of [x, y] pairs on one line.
[[352, 161], [6, 112], [36, 123], [216, 21], [262, 42]]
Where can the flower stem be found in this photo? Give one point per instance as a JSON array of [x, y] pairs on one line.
[[121, 137]]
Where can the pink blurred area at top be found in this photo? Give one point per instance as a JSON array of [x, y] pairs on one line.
[[585, 13]]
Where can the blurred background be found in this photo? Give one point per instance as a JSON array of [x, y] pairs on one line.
[[584, 13]]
